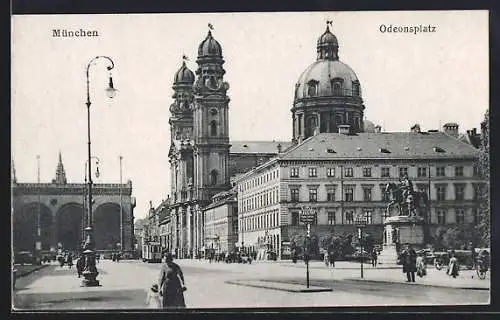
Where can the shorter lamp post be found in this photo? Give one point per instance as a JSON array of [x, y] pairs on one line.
[[361, 223]]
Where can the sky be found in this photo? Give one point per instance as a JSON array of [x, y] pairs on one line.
[[425, 78]]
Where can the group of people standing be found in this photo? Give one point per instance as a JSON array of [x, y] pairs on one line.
[[414, 263], [169, 291]]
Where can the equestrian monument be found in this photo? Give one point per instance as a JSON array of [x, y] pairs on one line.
[[406, 217]]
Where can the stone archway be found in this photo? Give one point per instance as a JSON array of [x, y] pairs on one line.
[[24, 227], [107, 226], [69, 226]]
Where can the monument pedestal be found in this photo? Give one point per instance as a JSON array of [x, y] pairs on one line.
[[388, 255], [400, 231]]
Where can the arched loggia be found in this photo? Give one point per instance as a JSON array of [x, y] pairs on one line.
[[69, 226], [107, 226], [25, 227]]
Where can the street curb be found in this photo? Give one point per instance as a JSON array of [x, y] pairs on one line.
[[264, 286], [340, 268], [419, 284], [31, 271]]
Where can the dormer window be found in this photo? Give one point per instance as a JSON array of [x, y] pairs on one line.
[[312, 88], [439, 150], [355, 89], [337, 86]]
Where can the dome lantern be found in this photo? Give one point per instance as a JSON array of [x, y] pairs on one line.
[[328, 46]]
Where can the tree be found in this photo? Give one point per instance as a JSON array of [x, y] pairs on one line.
[[483, 166], [458, 237]]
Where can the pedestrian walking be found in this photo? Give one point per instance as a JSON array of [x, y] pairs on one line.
[[409, 258], [171, 283], [153, 300], [80, 265], [374, 257], [331, 259], [421, 265], [453, 266], [326, 259]]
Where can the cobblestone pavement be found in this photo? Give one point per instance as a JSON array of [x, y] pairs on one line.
[[124, 284]]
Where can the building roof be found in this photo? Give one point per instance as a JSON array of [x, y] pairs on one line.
[[264, 147], [402, 145]]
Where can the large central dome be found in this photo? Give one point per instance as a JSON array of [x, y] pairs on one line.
[[327, 94], [320, 78]]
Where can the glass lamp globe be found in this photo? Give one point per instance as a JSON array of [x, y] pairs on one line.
[[111, 91]]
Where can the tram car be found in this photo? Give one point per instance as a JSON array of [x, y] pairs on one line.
[[151, 252]]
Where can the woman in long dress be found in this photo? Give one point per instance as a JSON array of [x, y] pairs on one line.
[[172, 284]]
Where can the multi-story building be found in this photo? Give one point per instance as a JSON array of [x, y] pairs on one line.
[[221, 223], [342, 176]]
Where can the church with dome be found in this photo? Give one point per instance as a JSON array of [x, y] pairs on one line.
[[248, 195]]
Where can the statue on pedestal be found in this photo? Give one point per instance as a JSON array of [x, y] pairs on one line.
[[410, 202]]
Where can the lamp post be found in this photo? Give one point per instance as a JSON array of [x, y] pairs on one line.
[[361, 223], [90, 272], [85, 191], [38, 244], [307, 216], [121, 205]]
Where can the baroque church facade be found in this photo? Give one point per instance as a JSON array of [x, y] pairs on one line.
[[202, 159], [336, 163]]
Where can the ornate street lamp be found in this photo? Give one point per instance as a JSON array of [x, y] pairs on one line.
[[85, 193], [90, 272]]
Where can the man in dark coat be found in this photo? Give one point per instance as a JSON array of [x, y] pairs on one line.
[[409, 258], [172, 284]]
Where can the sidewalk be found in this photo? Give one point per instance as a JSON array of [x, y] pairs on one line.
[[338, 265], [467, 279]]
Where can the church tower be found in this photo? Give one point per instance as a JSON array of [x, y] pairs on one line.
[[211, 129], [181, 133], [60, 172]]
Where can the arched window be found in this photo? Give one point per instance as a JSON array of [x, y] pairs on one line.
[[213, 177], [213, 128], [337, 88], [312, 88], [355, 89]]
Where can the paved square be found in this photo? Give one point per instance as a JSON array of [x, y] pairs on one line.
[[124, 285]]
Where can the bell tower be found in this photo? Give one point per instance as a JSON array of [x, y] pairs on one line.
[[211, 129], [181, 133]]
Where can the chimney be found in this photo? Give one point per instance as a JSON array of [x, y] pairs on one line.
[[279, 147], [415, 128], [344, 129], [451, 129], [377, 129]]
